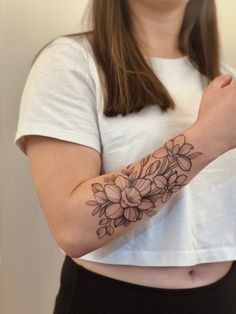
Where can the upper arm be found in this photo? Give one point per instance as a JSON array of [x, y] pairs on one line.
[[57, 168], [58, 128]]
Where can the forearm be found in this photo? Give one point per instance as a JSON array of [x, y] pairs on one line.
[[107, 206]]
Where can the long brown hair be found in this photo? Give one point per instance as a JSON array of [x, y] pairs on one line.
[[129, 82]]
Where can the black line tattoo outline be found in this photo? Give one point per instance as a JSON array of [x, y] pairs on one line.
[[125, 198]]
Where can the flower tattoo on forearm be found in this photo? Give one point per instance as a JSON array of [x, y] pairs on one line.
[[126, 198]]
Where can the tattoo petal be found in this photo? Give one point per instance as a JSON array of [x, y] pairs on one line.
[[114, 210], [180, 139], [176, 188], [142, 185], [185, 149], [134, 175], [171, 159], [162, 152], [101, 232], [131, 213], [184, 163], [113, 193], [175, 149], [173, 178], [160, 181], [166, 197], [121, 182], [169, 145], [146, 204], [131, 197], [181, 179], [100, 197], [96, 187]]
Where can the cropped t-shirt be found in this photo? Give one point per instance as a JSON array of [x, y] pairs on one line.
[[63, 99]]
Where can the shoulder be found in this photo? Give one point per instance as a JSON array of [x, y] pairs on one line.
[[227, 69], [65, 52]]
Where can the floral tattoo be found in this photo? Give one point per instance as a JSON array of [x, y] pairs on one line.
[[126, 198]]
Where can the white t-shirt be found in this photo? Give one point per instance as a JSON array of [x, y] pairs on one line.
[[63, 99]]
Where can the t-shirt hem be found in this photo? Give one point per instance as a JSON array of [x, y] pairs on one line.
[[81, 139], [166, 258]]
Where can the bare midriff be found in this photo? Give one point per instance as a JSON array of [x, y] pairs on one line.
[[162, 277]]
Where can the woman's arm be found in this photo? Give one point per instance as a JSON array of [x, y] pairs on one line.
[[103, 207], [107, 206], [86, 210]]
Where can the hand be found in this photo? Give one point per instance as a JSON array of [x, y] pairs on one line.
[[217, 112]]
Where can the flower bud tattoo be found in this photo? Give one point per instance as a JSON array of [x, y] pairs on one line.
[[126, 198]]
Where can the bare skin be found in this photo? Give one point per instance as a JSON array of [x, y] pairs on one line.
[[162, 277], [157, 24]]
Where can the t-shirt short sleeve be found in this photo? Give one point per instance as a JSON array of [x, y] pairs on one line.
[[59, 98]]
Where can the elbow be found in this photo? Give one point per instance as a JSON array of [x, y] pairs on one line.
[[73, 246], [69, 247]]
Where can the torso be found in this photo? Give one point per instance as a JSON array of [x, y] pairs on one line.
[[162, 277]]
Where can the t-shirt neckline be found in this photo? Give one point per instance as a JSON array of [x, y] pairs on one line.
[[169, 63]]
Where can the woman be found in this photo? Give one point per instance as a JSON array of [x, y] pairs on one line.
[[115, 124]]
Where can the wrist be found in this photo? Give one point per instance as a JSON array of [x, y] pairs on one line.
[[204, 141]]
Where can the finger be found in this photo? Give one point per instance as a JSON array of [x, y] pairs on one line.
[[221, 81]]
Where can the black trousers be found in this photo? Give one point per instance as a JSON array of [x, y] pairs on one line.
[[86, 292]]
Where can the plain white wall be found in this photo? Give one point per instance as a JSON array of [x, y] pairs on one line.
[[30, 259], [226, 10]]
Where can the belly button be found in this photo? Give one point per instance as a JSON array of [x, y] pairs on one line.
[[191, 272]]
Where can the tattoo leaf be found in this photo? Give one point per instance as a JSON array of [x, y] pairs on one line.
[[102, 211], [101, 232], [151, 213], [110, 230], [96, 210], [93, 203], [155, 197], [184, 163], [144, 161], [119, 221], [153, 167], [140, 215], [103, 221], [164, 165]]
